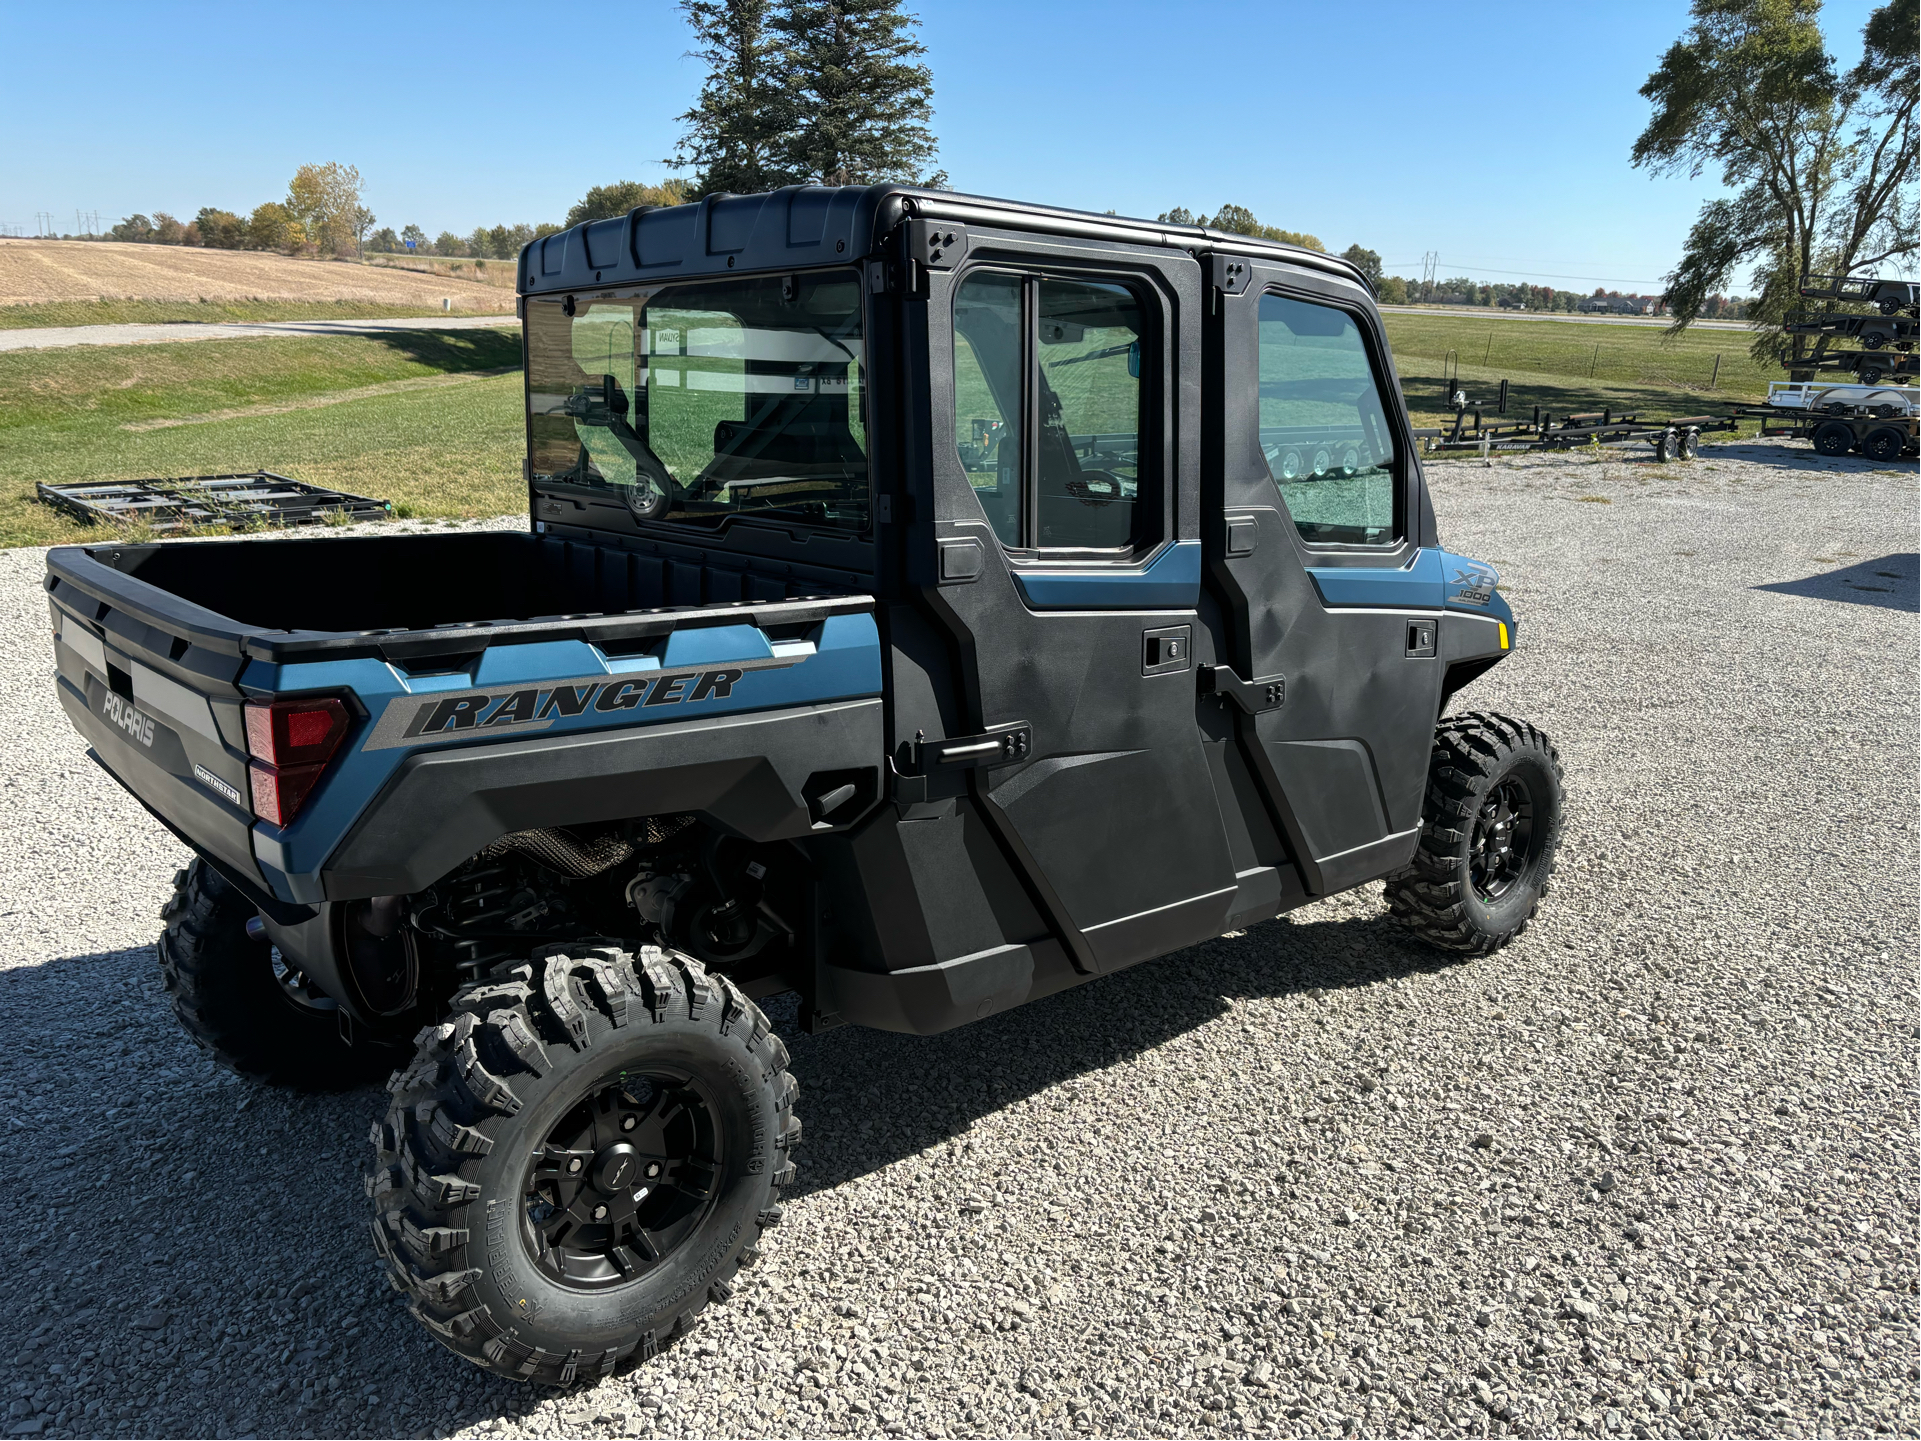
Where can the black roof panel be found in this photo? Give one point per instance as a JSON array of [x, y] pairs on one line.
[[807, 225]]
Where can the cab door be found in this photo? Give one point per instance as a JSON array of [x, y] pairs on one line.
[[1315, 548], [1065, 568]]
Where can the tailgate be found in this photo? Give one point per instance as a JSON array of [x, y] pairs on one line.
[[159, 704]]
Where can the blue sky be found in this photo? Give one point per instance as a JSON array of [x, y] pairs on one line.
[[1497, 136]]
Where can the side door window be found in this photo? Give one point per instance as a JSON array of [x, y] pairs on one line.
[[1324, 430], [1049, 403]]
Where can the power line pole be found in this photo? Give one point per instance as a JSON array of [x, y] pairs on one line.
[[1429, 262]]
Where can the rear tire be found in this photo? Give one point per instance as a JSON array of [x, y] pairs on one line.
[[1884, 443], [1490, 830], [1834, 438], [257, 1020], [580, 1158]]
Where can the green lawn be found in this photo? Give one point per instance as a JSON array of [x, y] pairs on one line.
[[1562, 367], [161, 312], [428, 419]]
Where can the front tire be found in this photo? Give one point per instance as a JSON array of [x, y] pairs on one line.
[[1491, 828], [580, 1158], [242, 1004]]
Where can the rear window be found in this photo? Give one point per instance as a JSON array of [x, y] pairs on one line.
[[695, 403]]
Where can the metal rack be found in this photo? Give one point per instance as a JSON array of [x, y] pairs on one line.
[[197, 502]]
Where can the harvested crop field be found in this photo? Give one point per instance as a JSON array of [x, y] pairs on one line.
[[1649, 1172], [49, 272]]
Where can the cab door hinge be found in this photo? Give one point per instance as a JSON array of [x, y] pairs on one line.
[[1264, 693], [936, 245], [1229, 274]]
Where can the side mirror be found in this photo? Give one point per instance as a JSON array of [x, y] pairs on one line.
[[1134, 361]]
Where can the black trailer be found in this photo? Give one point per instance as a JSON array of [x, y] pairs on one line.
[[1678, 438], [1890, 297], [202, 502], [1868, 332], [1881, 432]]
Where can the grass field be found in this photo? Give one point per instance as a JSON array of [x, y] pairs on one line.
[[432, 420], [98, 276], [1564, 368]]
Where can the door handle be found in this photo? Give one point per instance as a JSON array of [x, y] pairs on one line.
[[1265, 693]]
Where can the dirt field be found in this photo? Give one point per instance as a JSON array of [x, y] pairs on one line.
[[41, 272]]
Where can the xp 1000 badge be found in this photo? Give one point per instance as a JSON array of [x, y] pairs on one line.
[[414, 720]]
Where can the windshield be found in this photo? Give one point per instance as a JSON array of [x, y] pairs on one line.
[[699, 402]]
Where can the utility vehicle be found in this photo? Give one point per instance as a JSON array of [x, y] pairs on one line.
[[929, 604]]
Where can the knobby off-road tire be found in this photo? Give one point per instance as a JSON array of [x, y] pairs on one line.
[[554, 1092], [1490, 829], [228, 996]]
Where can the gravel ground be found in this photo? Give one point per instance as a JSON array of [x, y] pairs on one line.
[[1651, 1171]]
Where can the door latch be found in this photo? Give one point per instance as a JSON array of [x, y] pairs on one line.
[[1166, 649], [1001, 746], [1268, 692]]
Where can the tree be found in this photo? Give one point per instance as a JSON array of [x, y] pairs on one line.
[[732, 138], [384, 241], [861, 94], [169, 231], [273, 226], [449, 243], [1239, 220], [608, 202], [220, 229], [325, 199], [1750, 90], [135, 228], [1366, 261], [1392, 290], [412, 235]]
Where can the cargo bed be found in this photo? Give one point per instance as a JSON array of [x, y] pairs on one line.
[[159, 647]]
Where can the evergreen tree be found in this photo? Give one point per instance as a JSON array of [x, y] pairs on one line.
[[862, 97], [733, 137]]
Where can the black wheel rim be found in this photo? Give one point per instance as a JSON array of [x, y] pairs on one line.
[[1503, 845], [297, 988], [622, 1179]]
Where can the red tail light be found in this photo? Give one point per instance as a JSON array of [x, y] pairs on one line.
[[291, 742]]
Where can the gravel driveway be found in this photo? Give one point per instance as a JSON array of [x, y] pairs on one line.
[[1649, 1172]]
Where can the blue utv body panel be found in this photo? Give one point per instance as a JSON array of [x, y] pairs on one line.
[[1171, 580], [1434, 580], [509, 692]]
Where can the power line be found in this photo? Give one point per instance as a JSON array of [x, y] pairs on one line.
[[1534, 275]]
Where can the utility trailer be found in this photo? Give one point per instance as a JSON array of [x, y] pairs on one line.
[[1890, 297], [1672, 439], [1879, 422], [1868, 367], [200, 502], [1869, 332]]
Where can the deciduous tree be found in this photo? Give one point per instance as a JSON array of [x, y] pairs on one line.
[[605, 202], [1819, 164], [325, 199], [1368, 262]]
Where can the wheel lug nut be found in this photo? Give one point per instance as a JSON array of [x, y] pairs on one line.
[[574, 1165], [653, 1169], [627, 1123], [600, 1213]]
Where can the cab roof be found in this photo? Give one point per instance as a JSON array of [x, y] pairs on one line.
[[808, 225]]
